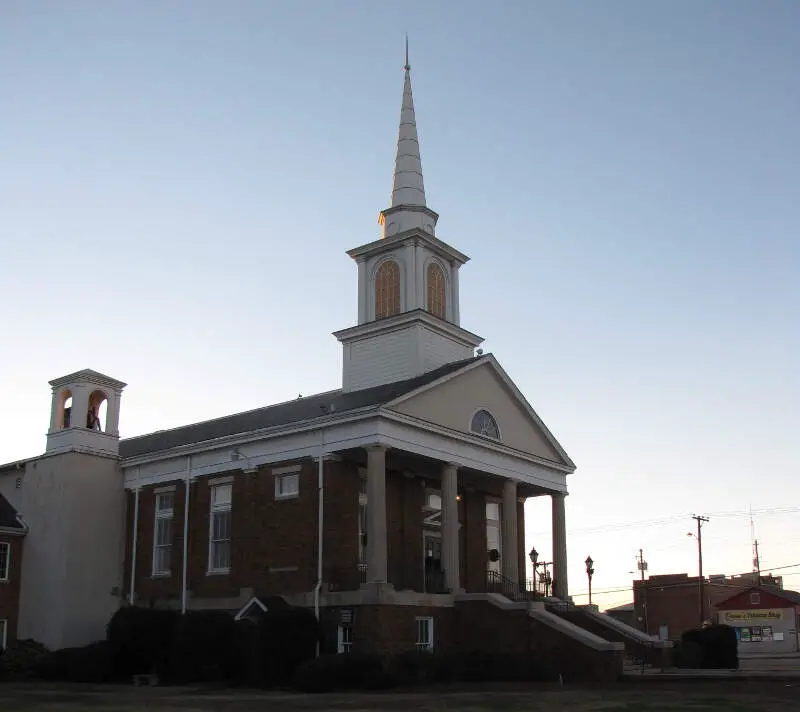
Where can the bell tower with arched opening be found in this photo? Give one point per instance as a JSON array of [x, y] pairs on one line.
[[409, 320], [84, 415]]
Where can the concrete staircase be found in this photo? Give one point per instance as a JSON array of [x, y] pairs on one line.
[[640, 648]]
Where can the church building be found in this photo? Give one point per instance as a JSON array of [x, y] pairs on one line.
[[393, 505]]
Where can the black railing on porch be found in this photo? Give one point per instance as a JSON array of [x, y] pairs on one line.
[[514, 590]]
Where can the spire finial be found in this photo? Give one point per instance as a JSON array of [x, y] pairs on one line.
[[407, 66]]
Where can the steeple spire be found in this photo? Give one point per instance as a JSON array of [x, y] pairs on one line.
[[408, 208]]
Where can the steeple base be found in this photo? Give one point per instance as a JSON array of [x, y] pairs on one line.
[[401, 347]]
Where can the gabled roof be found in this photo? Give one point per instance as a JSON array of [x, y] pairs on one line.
[[792, 597], [294, 411], [490, 361], [10, 521]]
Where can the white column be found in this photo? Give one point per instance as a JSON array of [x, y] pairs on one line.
[[376, 514], [510, 559], [363, 290], [452, 575], [560, 588], [454, 296]]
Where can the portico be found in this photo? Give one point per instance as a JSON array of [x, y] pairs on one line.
[[449, 479]]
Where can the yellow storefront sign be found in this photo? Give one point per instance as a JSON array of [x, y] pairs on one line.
[[753, 616]]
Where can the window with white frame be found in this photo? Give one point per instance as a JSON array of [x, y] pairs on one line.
[[162, 533], [362, 528], [219, 546], [494, 538], [287, 485], [345, 638], [425, 633], [755, 598], [3, 634], [5, 560]]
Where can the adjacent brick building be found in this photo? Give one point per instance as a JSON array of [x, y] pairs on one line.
[[12, 537]]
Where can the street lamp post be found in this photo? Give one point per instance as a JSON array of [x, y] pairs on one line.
[[590, 573], [534, 557]]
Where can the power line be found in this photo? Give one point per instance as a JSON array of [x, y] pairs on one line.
[[678, 584], [772, 511]]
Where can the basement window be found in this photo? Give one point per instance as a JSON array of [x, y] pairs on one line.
[[425, 633]]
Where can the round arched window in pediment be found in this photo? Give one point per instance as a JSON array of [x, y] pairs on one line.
[[483, 423]]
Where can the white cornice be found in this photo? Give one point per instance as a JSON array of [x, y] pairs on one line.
[[393, 415], [409, 236], [251, 436], [404, 319], [89, 376], [490, 361]]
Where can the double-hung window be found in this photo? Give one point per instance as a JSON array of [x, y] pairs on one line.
[[162, 533], [345, 638], [219, 547], [5, 560], [425, 633]]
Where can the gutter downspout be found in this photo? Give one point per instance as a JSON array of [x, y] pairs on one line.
[[184, 566], [320, 519], [135, 538]]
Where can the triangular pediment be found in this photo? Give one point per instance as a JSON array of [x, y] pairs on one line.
[[452, 401]]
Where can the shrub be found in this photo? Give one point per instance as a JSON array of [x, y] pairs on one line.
[[346, 671], [18, 659], [201, 647], [245, 654], [288, 638], [140, 640], [90, 663]]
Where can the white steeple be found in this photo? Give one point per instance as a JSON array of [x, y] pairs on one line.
[[408, 209], [409, 320]]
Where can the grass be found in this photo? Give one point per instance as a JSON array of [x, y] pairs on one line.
[[675, 696]]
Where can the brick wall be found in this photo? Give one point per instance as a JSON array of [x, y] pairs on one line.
[[479, 625], [674, 601], [386, 630], [274, 542], [9, 590]]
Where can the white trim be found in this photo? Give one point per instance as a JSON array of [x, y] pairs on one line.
[[212, 510], [7, 576], [483, 409], [4, 631], [342, 646], [252, 436], [429, 644], [403, 238], [291, 469], [282, 496], [164, 490], [247, 606], [227, 480], [491, 360], [157, 517], [392, 429]]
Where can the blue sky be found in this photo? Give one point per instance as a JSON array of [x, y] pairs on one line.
[[180, 182]]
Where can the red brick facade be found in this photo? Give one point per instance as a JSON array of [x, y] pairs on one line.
[[9, 590], [673, 600], [274, 542]]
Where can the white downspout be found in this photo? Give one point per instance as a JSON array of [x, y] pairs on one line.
[[135, 538], [320, 519], [184, 566]]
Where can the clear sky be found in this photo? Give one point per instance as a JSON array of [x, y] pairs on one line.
[[180, 180]]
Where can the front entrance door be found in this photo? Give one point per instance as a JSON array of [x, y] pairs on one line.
[[434, 573]]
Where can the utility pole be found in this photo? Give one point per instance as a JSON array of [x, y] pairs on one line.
[[757, 563], [641, 564], [700, 520]]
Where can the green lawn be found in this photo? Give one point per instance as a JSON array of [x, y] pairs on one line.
[[675, 696]]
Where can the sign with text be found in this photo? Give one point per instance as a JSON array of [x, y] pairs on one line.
[[751, 616]]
